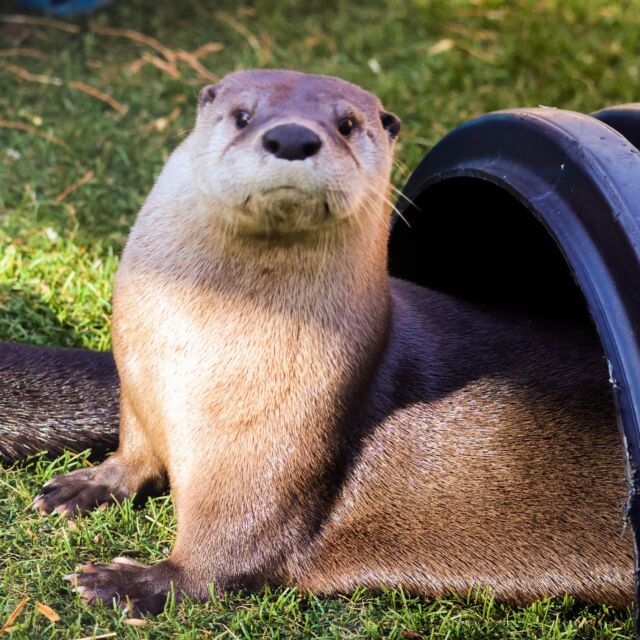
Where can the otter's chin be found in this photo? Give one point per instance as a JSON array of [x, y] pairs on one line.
[[286, 210]]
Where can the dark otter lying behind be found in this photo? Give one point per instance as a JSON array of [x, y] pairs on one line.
[[319, 423]]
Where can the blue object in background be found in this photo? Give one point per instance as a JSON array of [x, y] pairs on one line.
[[64, 8]]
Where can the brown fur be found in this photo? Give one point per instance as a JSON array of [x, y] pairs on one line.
[[323, 425]]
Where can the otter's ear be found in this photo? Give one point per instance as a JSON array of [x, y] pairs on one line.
[[207, 95], [391, 124]]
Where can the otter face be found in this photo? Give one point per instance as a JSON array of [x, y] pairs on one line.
[[281, 152]]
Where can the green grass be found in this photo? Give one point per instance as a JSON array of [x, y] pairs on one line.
[[434, 62]]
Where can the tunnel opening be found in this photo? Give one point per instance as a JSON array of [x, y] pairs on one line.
[[475, 240]]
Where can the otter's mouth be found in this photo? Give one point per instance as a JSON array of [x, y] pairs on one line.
[[284, 189], [288, 196], [286, 208]]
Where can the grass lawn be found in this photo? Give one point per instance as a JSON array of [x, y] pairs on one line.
[[76, 168]]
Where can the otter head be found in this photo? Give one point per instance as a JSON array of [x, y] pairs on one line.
[[279, 152]]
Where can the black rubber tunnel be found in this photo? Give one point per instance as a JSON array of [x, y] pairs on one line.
[[539, 210], [624, 118]]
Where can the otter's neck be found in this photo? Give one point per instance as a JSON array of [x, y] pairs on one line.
[[335, 278], [315, 309]]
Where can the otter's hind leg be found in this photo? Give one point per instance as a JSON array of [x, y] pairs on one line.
[[133, 468]]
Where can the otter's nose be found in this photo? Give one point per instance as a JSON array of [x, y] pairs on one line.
[[291, 142]]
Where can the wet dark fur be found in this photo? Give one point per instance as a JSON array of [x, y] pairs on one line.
[[56, 399]]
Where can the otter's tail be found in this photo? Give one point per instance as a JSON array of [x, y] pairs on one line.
[[56, 399]]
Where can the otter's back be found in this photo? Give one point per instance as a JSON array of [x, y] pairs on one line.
[[487, 454]]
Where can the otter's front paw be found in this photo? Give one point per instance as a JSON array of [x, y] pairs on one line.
[[77, 492], [125, 583]]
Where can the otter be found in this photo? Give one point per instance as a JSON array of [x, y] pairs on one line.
[[319, 423]]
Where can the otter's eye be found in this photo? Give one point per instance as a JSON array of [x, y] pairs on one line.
[[346, 125], [242, 118]]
